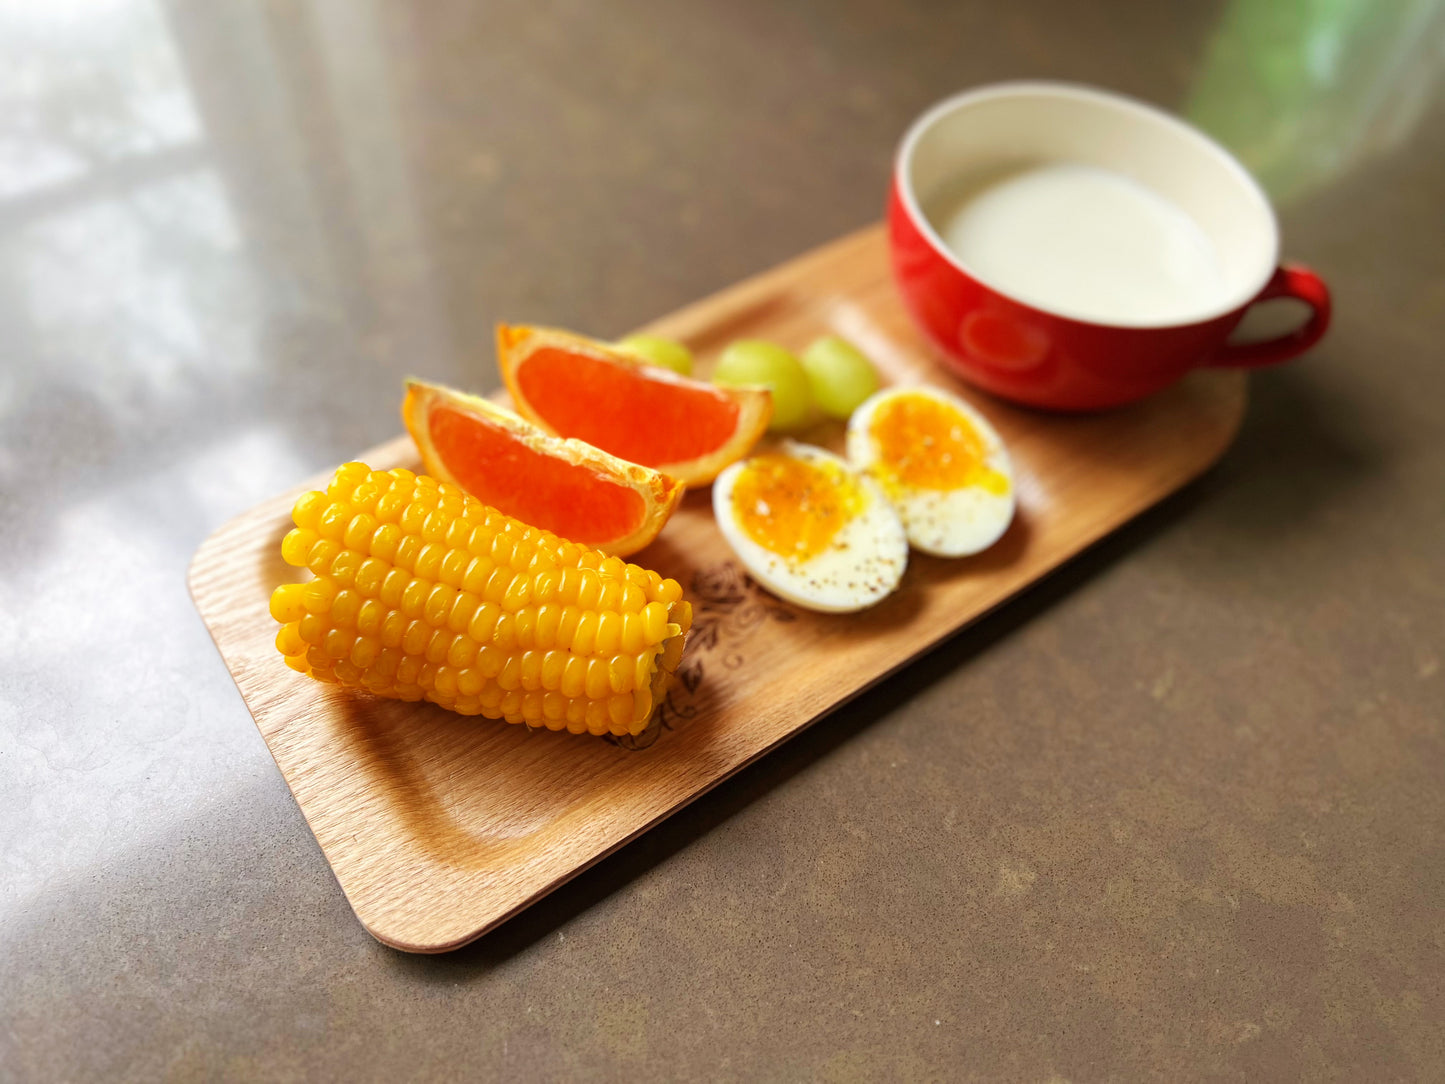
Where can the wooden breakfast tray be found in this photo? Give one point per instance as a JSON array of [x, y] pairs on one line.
[[440, 827]]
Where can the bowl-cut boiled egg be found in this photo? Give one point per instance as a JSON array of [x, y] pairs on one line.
[[941, 465], [810, 529]]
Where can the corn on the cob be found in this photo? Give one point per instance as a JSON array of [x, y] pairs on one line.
[[424, 593]]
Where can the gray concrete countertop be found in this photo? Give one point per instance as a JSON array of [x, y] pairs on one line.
[[1177, 813]]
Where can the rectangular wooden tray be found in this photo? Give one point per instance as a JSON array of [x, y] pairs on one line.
[[440, 827]]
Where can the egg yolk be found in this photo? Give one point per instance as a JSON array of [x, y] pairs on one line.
[[793, 507], [925, 444]]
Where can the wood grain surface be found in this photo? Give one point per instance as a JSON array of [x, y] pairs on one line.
[[440, 827]]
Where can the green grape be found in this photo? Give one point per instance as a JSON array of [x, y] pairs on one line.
[[753, 361], [655, 350], [840, 376]]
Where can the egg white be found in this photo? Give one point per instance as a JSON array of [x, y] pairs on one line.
[[863, 564], [943, 522]]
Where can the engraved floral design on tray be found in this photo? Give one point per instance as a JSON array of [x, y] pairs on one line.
[[727, 605]]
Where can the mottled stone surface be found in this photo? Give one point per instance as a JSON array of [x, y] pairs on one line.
[[1179, 812]]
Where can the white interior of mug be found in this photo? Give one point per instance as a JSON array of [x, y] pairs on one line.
[[996, 129]]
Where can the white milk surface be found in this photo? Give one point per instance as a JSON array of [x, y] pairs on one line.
[[1085, 242]]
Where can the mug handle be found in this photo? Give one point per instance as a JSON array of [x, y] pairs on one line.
[[1289, 280]]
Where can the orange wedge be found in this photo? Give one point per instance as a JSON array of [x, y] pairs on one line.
[[564, 486], [576, 387]]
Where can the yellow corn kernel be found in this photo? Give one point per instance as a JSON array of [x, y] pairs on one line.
[[429, 560], [462, 612], [422, 593], [611, 597], [504, 632], [576, 714], [365, 496], [434, 527], [359, 531], [498, 584], [387, 660], [338, 643], [590, 592], [462, 651], [364, 651], [519, 592], [438, 646], [408, 669], [544, 586], [393, 629], [384, 541], [454, 567], [490, 659], [622, 673], [596, 717], [584, 640], [574, 677], [306, 513], [413, 514], [654, 623], [369, 575], [553, 665], [523, 550], [318, 595], [501, 550], [323, 552], [296, 545], [439, 604], [599, 678], [333, 521], [458, 534], [483, 621], [633, 598], [478, 572], [390, 506], [532, 707], [524, 622], [469, 682], [609, 632], [343, 568], [393, 587], [511, 705], [531, 669], [413, 599], [634, 632], [644, 663], [544, 630], [344, 607], [567, 626], [666, 592], [286, 604], [416, 637], [568, 584], [289, 642], [407, 550]]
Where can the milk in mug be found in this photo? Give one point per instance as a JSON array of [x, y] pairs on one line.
[[1084, 242]]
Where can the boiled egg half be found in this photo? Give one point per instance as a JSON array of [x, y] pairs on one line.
[[941, 465], [810, 529]]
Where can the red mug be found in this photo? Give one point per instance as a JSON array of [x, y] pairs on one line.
[[1035, 351]]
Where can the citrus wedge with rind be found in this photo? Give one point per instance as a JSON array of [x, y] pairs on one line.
[[568, 487], [577, 387]]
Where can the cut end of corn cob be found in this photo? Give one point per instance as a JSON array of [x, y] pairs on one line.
[[424, 593]]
